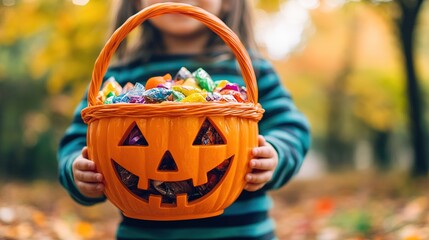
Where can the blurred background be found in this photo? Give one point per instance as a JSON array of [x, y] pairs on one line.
[[358, 69]]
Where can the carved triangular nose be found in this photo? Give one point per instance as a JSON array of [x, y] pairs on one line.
[[167, 163]]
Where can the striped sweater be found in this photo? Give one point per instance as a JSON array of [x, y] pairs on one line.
[[283, 126]]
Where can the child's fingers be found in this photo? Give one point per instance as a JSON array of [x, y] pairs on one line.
[[263, 164], [84, 164], [262, 152], [259, 178], [85, 152], [88, 176], [253, 187], [90, 189], [261, 140]]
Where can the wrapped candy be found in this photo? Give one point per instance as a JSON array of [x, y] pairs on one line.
[[186, 90], [122, 98], [166, 85], [212, 97], [111, 85], [109, 100], [192, 83], [208, 135], [206, 188], [137, 99], [186, 87], [177, 96], [213, 177], [136, 91], [220, 84], [195, 97], [155, 82], [129, 179], [156, 94], [135, 138], [183, 74], [204, 80], [231, 86], [127, 87], [235, 94], [228, 98], [243, 92], [171, 189]]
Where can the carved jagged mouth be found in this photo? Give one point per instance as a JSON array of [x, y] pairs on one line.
[[169, 190]]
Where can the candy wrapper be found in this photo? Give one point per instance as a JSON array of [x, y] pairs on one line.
[[204, 80], [195, 97], [156, 95], [183, 74], [186, 90], [185, 87]]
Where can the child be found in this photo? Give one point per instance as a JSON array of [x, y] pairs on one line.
[[167, 43]]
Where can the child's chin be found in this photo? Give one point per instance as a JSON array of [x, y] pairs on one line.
[[177, 24]]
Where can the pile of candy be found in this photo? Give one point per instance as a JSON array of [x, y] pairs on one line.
[[184, 87]]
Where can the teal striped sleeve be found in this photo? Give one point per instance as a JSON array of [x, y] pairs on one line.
[[70, 148], [282, 125]]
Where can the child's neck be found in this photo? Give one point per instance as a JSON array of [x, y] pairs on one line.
[[194, 44]]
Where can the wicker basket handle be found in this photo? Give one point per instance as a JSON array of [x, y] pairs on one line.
[[210, 20]]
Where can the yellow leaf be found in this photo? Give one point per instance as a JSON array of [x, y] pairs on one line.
[[84, 229]]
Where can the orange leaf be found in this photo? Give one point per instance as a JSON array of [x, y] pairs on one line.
[[324, 206], [84, 229]]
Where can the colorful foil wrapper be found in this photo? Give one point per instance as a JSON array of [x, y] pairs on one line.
[[204, 80], [186, 87], [183, 74]]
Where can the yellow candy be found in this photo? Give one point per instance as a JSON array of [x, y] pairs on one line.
[[111, 85], [191, 82], [101, 97], [195, 97], [221, 84], [186, 90]]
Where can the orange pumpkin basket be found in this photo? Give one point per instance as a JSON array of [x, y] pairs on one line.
[[209, 177]]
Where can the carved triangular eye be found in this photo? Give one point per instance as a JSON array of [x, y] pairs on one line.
[[134, 137], [167, 163], [208, 135]]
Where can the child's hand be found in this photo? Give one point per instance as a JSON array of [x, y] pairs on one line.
[[88, 181], [263, 164]]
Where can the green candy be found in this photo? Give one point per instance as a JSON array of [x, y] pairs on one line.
[[204, 80], [109, 99], [178, 96]]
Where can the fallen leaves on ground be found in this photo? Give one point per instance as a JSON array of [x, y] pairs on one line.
[[343, 206]]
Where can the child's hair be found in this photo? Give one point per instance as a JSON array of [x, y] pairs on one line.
[[237, 17]]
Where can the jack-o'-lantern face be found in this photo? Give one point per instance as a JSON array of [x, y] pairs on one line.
[[170, 168], [168, 190]]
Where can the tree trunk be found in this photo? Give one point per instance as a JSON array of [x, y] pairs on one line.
[[407, 26], [338, 149]]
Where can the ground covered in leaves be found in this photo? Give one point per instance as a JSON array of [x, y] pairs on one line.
[[342, 206]]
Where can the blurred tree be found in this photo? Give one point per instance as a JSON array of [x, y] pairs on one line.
[[370, 91], [47, 51], [337, 146], [406, 23]]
